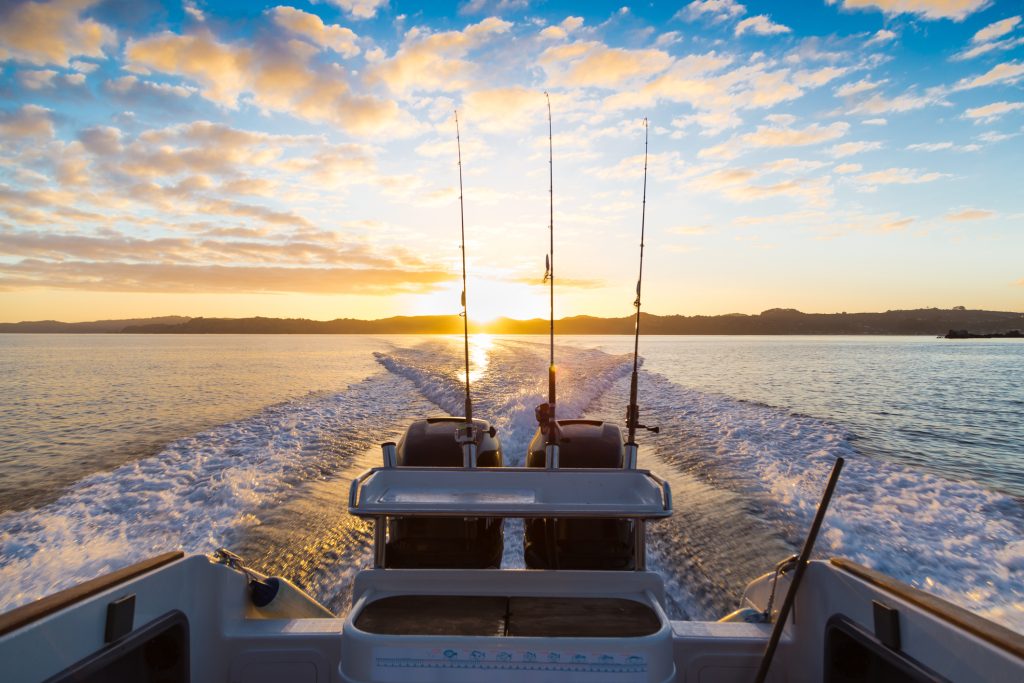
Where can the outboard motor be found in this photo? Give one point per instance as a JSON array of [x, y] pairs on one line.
[[580, 543], [445, 542]]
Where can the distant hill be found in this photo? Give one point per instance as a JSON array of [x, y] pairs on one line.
[[926, 321], [97, 326]]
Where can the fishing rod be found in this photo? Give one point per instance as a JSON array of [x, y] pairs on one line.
[[551, 444], [465, 311], [633, 410], [466, 437]]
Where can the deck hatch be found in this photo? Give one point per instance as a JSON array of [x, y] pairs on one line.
[[517, 617]]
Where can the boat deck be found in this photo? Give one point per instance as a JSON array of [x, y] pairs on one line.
[[495, 616]]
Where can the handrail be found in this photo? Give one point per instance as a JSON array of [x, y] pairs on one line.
[[353, 489], [33, 611], [666, 490], [993, 633], [513, 492]]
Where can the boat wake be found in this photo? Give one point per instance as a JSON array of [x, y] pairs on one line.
[[746, 479], [198, 493]]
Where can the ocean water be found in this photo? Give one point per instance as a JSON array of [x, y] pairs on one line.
[[117, 447]]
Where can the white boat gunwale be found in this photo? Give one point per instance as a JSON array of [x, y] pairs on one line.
[[32, 612], [951, 613]]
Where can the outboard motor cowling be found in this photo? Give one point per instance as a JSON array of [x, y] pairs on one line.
[[599, 544], [445, 542]]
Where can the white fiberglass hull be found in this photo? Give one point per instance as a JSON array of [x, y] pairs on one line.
[[225, 644]]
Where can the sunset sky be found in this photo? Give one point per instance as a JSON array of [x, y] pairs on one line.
[[244, 158]]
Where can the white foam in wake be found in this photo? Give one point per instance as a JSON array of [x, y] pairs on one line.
[[197, 493], [509, 381], [955, 539]]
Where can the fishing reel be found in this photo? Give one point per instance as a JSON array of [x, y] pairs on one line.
[[633, 420], [543, 414]]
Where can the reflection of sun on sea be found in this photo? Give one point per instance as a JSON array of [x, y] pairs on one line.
[[479, 355]]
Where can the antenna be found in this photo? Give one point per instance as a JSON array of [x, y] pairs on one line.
[[465, 312], [633, 410], [550, 277]]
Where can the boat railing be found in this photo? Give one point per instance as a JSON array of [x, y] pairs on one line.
[[509, 492]]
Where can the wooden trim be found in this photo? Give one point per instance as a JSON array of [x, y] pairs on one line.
[[33, 611], [990, 632]]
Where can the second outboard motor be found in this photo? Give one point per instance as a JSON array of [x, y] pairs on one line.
[[445, 542], [580, 543]]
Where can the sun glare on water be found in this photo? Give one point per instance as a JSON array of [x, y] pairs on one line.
[[480, 346]]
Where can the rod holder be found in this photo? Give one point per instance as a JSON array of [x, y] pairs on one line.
[[551, 456], [469, 451], [390, 454], [629, 457]]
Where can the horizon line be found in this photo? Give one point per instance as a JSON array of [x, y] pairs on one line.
[[493, 321]]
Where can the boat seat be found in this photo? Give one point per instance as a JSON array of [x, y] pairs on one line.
[[444, 542], [473, 615], [599, 544]]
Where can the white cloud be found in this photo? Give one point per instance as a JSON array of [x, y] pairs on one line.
[[991, 112], [668, 38], [360, 9], [986, 40], [929, 146], [992, 136], [847, 168], [761, 25], [881, 36], [1009, 72], [898, 176], [863, 85], [716, 10], [956, 10], [910, 101], [190, 9], [874, 122], [36, 79], [847, 149], [985, 48], [561, 31], [995, 30]]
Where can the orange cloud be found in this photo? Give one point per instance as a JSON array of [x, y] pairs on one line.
[[434, 61], [991, 112], [501, 109], [970, 215], [31, 121], [163, 278], [592, 64], [1008, 72], [279, 77], [52, 32], [777, 136], [338, 38]]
